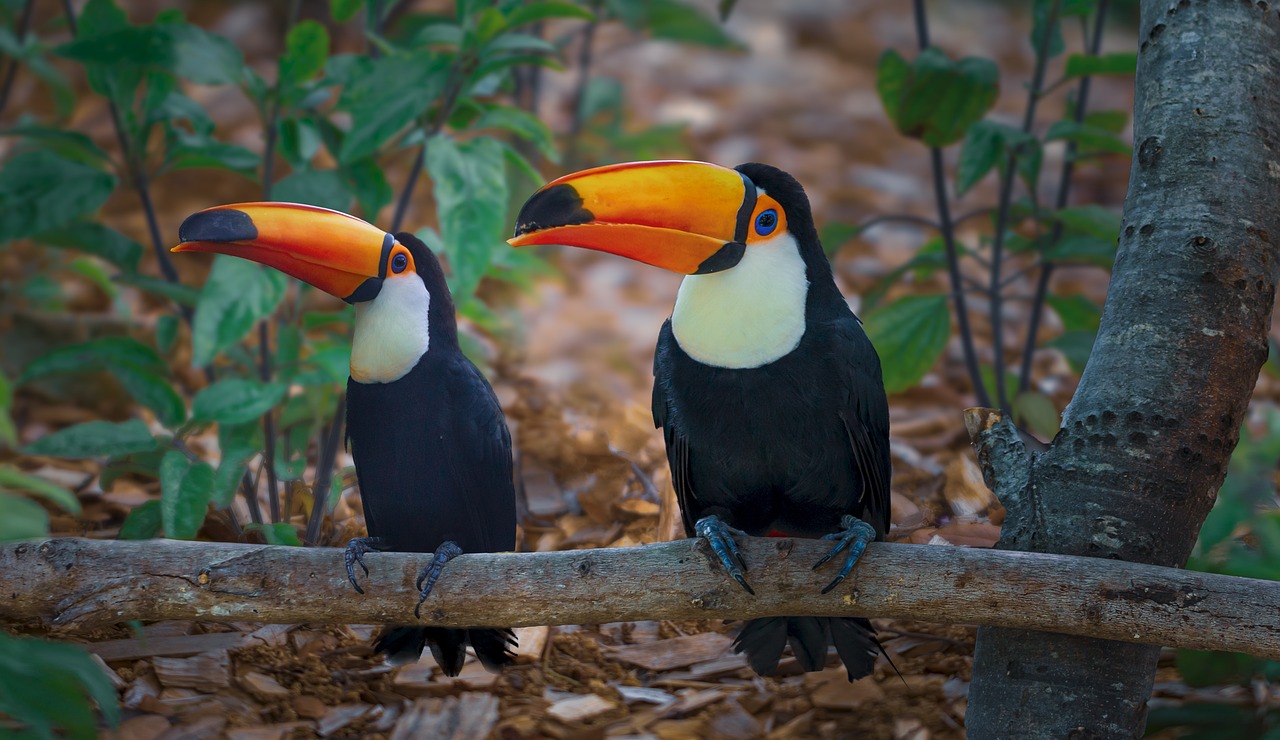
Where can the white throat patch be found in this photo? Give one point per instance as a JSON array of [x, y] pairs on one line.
[[391, 331], [748, 315]]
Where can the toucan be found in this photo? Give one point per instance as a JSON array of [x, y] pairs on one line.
[[768, 392], [431, 446]]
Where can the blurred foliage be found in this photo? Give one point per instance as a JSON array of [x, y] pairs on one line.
[[1240, 537], [945, 102], [454, 91]]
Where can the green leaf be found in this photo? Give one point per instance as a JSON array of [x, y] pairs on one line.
[[836, 234], [14, 479], [1093, 220], [184, 495], [1203, 668], [471, 202], [1088, 138], [1113, 121], [47, 686], [299, 142], [166, 332], [909, 335], [306, 50], [236, 400], [1075, 346], [368, 180], [1084, 248], [523, 124], [154, 392], [1119, 63], [279, 533], [183, 295], [98, 240], [8, 434], [380, 110], [344, 10], [70, 144], [674, 21], [532, 12], [21, 519], [194, 153], [1040, 17], [1037, 412], [1076, 312], [984, 143], [237, 294], [94, 439], [324, 188], [40, 191], [933, 98], [186, 50], [143, 523], [95, 354]]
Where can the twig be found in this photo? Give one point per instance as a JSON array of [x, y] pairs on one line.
[[250, 492], [949, 241], [580, 89], [1064, 190], [24, 24], [78, 583], [324, 473]]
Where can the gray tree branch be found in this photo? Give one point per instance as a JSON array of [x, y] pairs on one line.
[[72, 583]]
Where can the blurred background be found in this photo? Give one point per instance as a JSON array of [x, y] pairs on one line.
[[146, 395]]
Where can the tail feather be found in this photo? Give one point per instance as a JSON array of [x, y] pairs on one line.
[[404, 645], [763, 640]]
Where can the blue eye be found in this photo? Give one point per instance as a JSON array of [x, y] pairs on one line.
[[399, 262], [766, 222]]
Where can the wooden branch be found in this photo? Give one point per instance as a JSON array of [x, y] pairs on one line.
[[78, 583]]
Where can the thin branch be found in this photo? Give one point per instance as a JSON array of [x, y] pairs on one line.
[[442, 117], [949, 241], [1008, 177], [1064, 191], [24, 24], [324, 474], [80, 584], [580, 89], [249, 489]]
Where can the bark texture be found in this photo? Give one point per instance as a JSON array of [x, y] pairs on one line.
[[1145, 441], [72, 583]]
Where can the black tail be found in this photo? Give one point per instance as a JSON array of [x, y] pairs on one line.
[[763, 640], [404, 645]]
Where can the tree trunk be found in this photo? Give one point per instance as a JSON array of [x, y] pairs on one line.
[[1145, 441]]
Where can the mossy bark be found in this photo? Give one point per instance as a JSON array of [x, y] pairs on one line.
[[1145, 441]]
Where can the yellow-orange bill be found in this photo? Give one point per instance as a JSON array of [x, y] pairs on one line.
[[689, 217], [337, 253]]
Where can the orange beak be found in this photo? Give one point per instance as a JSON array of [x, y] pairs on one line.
[[688, 217], [335, 252]]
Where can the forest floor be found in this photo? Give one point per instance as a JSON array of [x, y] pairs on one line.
[[576, 391]]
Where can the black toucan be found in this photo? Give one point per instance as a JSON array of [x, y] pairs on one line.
[[431, 446], [767, 390]]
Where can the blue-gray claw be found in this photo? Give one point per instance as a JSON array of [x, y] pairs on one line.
[[357, 548], [448, 550], [720, 536], [855, 537]]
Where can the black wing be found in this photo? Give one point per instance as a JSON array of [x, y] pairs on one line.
[[866, 420], [677, 446]]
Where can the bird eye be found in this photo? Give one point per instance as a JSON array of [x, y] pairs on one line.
[[766, 222], [399, 262]]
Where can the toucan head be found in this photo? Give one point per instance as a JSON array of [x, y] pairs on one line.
[[690, 217], [394, 281]]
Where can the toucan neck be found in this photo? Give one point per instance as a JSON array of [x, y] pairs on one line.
[[392, 331], [746, 316]]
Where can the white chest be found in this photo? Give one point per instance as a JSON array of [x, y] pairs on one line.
[[391, 331], [748, 315]]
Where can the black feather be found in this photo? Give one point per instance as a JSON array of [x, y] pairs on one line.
[[433, 459]]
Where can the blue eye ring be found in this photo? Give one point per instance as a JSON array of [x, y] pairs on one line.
[[399, 262], [766, 222]]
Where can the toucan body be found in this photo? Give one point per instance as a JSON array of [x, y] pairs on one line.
[[768, 392], [431, 447]]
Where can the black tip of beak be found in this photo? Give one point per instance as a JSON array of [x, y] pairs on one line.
[[558, 205], [222, 225]]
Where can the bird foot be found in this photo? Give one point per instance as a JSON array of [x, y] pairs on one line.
[[357, 548], [855, 537], [720, 536], [448, 550]]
